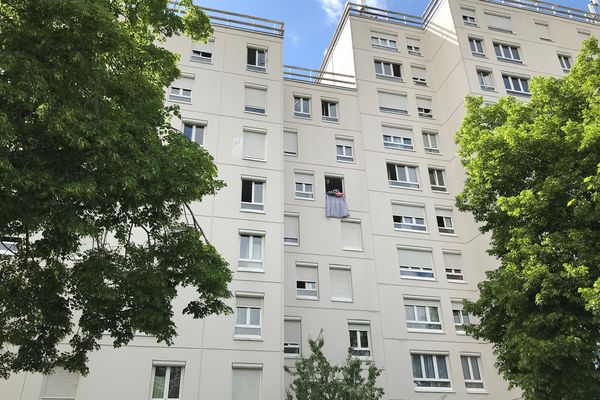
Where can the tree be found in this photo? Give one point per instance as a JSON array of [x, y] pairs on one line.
[[316, 379], [533, 179], [87, 154]]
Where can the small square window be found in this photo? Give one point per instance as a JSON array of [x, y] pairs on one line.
[[344, 150], [565, 62], [166, 382], [257, 59], [253, 194], [430, 142], [329, 110], [303, 186], [476, 47], [302, 107], [436, 179], [485, 80], [194, 132], [444, 221], [359, 340]]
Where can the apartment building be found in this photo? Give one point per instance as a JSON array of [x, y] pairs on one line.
[[338, 216]]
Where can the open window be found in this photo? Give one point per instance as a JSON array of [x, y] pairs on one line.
[[333, 183]]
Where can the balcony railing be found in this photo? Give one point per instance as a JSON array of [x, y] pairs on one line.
[[236, 20], [551, 9], [317, 76], [385, 15]]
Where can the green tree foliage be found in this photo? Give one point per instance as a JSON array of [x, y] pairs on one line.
[[533, 179], [87, 153], [316, 379]]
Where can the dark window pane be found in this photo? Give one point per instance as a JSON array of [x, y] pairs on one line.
[[392, 176], [174, 382], [251, 57], [247, 191]]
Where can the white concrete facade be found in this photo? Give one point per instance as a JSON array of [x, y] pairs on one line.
[[371, 271]]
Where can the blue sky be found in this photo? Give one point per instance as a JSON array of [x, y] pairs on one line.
[[309, 24]]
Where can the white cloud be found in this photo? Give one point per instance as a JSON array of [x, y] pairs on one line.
[[294, 39], [334, 8]]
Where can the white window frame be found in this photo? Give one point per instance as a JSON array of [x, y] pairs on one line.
[[410, 223], [434, 383], [386, 109], [257, 66], [244, 264], [420, 81], [309, 286], [360, 350], [344, 152], [349, 270], [201, 55], [247, 324], [194, 134], [425, 112], [468, 19], [413, 50], [253, 109], [454, 272], [389, 74], [288, 345], [410, 271], [476, 46], [472, 384], [383, 43], [566, 63], [295, 133], [330, 110], [513, 81], [437, 180], [291, 241], [427, 145], [508, 52], [482, 75], [301, 112], [463, 318], [178, 94], [426, 325], [165, 395], [447, 227], [304, 193], [404, 184], [253, 205], [398, 142]]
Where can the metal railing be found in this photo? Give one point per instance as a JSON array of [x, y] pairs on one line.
[[317, 76], [237, 20], [385, 15], [551, 9]]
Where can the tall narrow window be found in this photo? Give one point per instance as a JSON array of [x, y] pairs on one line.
[[61, 385], [397, 137], [468, 16], [436, 179], [291, 229], [471, 371], [506, 52], [392, 102], [453, 266], [253, 144], [430, 142], [409, 217], [329, 110], [485, 79], [194, 132], [359, 339], [302, 106], [565, 62], [181, 90], [516, 85], [413, 46], [303, 185], [388, 70], [497, 22], [256, 99], [307, 281], [419, 75], [257, 59], [248, 316], [344, 149], [476, 47], [246, 383], [461, 318], [341, 283], [424, 107], [290, 142], [402, 175], [352, 235], [444, 220], [415, 264], [292, 337], [422, 315], [430, 370], [203, 52], [253, 194], [166, 382], [251, 250]]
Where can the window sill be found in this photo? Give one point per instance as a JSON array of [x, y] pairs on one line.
[[179, 101], [247, 210], [254, 159], [248, 338], [340, 300], [393, 111], [304, 198], [410, 230], [252, 68], [264, 114], [345, 161], [356, 250], [303, 116], [414, 278], [509, 60], [471, 24], [256, 271], [376, 46], [445, 191], [292, 356], [455, 281], [201, 60], [477, 391], [478, 55], [330, 121], [390, 78], [398, 148], [493, 28], [291, 244], [307, 298], [448, 234], [522, 94], [435, 153], [416, 330], [290, 154], [430, 117], [434, 389], [461, 333], [488, 89], [406, 187]]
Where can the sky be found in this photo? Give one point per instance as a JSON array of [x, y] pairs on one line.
[[309, 24]]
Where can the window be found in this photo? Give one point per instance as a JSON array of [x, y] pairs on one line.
[[565, 62], [516, 85], [422, 315], [343, 150], [453, 266], [392, 102], [413, 46], [397, 137], [419, 75], [485, 80], [383, 41], [253, 144], [424, 107], [430, 370], [507, 52], [341, 283], [444, 220], [194, 132], [257, 59], [246, 382], [430, 142], [359, 339], [291, 225], [415, 264], [256, 99], [248, 316], [543, 30], [8, 246], [351, 235], [402, 175], [252, 194], [181, 90], [407, 217], [461, 318], [61, 385], [330, 110], [166, 382], [436, 179], [251, 249], [290, 142], [468, 16], [203, 52], [471, 372], [303, 185], [387, 70], [476, 47], [306, 281], [301, 106], [498, 22], [292, 334]]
